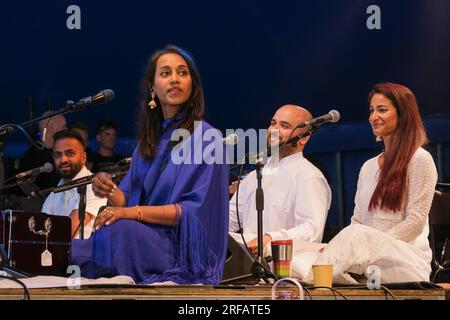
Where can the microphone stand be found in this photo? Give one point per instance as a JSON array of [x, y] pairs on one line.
[[82, 208], [293, 141], [8, 129], [27, 185], [260, 265], [81, 185], [443, 185], [2, 179], [6, 267], [104, 96], [84, 181]]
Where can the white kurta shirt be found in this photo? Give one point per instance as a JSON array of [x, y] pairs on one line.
[[63, 203], [296, 201]]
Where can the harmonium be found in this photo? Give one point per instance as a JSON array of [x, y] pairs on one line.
[[36, 243]]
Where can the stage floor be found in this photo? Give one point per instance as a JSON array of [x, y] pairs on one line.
[[197, 292]]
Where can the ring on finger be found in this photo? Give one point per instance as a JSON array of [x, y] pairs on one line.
[[112, 190]]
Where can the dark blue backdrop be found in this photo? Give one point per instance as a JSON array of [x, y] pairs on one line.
[[254, 56]]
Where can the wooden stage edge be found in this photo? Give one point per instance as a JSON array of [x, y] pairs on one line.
[[195, 292]]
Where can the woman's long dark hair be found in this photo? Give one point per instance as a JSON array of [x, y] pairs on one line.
[[149, 120], [391, 190]]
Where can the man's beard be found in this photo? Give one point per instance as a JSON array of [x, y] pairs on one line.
[[69, 175], [279, 148]]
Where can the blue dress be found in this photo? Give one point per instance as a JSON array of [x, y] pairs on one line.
[[194, 250]]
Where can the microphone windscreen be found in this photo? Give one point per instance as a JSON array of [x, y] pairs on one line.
[[231, 139], [48, 167], [103, 96], [109, 95], [335, 115]]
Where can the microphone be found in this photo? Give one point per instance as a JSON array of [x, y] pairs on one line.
[[258, 156], [125, 161], [231, 139], [332, 116], [47, 167], [294, 140], [119, 167], [103, 96]]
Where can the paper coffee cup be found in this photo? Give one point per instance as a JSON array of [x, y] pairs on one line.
[[323, 275]]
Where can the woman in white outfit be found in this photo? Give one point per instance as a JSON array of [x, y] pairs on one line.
[[389, 226]]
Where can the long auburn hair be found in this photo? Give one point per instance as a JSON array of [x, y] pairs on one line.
[[390, 192], [150, 120]]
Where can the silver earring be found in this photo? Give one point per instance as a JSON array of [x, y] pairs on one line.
[[379, 139]]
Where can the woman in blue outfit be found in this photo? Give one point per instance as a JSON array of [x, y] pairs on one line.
[[168, 219]]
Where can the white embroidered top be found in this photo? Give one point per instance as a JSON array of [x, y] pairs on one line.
[[410, 225]]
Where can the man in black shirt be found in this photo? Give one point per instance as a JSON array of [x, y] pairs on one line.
[[83, 129], [33, 157], [105, 157]]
